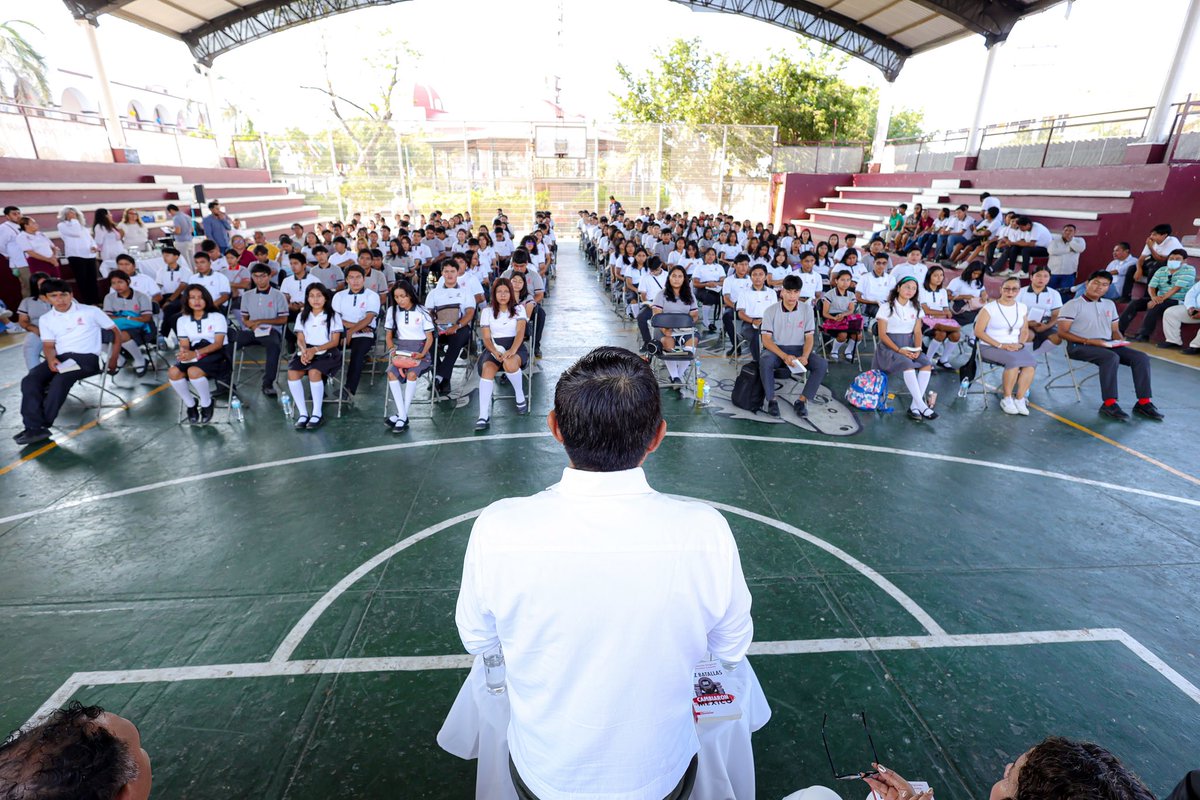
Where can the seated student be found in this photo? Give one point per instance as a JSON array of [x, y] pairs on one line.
[[1044, 304], [329, 274], [77, 752], [732, 287], [777, 269], [825, 264], [238, 274], [1004, 338], [318, 354], [1185, 313], [359, 310], [263, 315], [937, 320], [1054, 769], [912, 266], [810, 281], [751, 304], [899, 346], [373, 274], [788, 329], [1121, 268], [1157, 250], [29, 312], [408, 333], [454, 328], [201, 332], [133, 312], [216, 284], [295, 289], [341, 257], [1166, 288], [706, 285], [502, 326], [1088, 324], [70, 334], [653, 279], [676, 298], [983, 238], [171, 283], [839, 309], [850, 261], [967, 295], [872, 289], [140, 282], [1030, 240]]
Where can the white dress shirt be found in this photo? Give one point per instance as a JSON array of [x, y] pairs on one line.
[[604, 594]]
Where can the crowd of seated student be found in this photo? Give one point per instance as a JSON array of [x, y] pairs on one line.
[[740, 268]]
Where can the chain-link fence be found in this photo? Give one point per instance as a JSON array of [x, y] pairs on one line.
[[485, 166]]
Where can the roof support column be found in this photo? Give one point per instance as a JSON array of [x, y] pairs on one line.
[[116, 131], [216, 117], [975, 137], [1161, 119], [883, 121]]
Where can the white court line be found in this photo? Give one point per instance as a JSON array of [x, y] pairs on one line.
[[221, 473], [267, 669], [296, 635]]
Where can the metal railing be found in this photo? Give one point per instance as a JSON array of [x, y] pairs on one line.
[[819, 157], [1185, 134]]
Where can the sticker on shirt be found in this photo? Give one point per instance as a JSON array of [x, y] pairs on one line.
[[712, 702]]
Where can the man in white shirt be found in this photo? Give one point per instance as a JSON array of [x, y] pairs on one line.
[[452, 308], [1063, 258], [751, 304], [596, 675], [987, 201], [341, 255], [1120, 266], [359, 307], [873, 288], [216, 283], [1159, 246], [9, 228], [71, 345], [732, 287], [1029, 240]]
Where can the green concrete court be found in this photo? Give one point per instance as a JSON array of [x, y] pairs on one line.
[[903, 568]]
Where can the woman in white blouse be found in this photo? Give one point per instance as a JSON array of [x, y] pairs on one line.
[[899, 345], [80, 250], [107, 237], [938, 319], [502, 327], [133, 232], [40, 253], [318, 354], [201, 332], [1003, 330], [408, 333]]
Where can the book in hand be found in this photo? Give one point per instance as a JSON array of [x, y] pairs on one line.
[[797, 368], [911, 349], [1117, 343], [70, 365], [712, 702]]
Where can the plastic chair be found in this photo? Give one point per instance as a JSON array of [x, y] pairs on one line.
[[222, 382], [682, 327]]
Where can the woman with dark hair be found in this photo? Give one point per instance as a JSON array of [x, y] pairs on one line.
[[318, 353], [408, 333], [937, 319], [28, 313], [778, 269], [201, 332], [676, 298], [502, 328], [824, 265], [1002, 328], [968, 294], [107, 236], [899, 345], [839, 309]]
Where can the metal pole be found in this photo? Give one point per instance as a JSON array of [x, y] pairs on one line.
[[336, 178], [974, 138], [721, 168], [467, 167], [1161, 120], [116, 132], [266, 160], [883, 120], [658, 181], [596, 169]]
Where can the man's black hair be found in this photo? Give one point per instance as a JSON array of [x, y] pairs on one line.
[[520, 256], [125, 257], [172, 207], [9, 209], [1100, 273], [608, 410], [297, 257], [1163, 230], [320, 249], [260, 268], [171, 250], [55, 285], [261, 250], [791, 283], [1024, 221], [355, 268]]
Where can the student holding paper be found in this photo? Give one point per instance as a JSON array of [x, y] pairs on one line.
[[263, 314], [1088, 324], [70, 334], [787, 338]]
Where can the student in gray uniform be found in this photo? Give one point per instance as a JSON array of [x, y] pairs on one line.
[[132, 312], [1088, 324], [786, 335], [676, 298], [264, 313], [328, 274], [28, 313]]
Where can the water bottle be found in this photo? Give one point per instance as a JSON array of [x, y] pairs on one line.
[[493, 670], [964, 387], [285, 400], [235, 405], [704, 396]]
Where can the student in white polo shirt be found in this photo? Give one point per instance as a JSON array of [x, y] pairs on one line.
[[140, 281], [341, 256], [1029, 240], [171, 283], [1044, 305], [295, 288], [201, 332], [707, 277], [735, 283], [912, 265], [408, 332], [751, 304], [318, 354], [216, 284], [70, 334], [359, 309], [502, 326], [872, 289], [454, 327]]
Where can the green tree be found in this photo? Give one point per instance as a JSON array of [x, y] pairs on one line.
[[19, 59], [798, 91]]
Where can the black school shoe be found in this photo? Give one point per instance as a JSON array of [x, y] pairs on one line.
[[26, 437], [1114, 412], [1148, 411], [206, 413], [801, 408], [315, 422], [193, 415]]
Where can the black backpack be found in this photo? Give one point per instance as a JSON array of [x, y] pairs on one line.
[[748, 392]]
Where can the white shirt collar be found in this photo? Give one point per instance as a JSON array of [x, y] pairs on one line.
[[602, 484]]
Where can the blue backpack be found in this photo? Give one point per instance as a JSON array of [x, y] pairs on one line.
[[868, 391]]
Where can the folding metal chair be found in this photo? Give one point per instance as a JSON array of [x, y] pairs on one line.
[[102, 390], [682, 328], [224, 382], [1066, 375]]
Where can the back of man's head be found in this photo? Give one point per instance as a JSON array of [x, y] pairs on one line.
[[79, 753], [1062, 769], [608, 410]]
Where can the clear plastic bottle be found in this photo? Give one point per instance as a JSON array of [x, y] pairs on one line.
[[493, 670], [285, 400], [964, 387], [235, 406]]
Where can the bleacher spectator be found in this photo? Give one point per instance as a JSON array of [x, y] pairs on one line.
[[1165, 289], [1120, 268], [1089, 326], [1175, 317], [988, 201], [1063, 258], [1158, 248], [80, 752], [1029, 240], [80, 249], [217, 225]]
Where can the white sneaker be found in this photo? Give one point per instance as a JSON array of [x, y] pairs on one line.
[[1009, 406], [1022, 407], [1022, 275], [1004, 273]]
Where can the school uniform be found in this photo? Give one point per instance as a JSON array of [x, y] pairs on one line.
[[319, 330], [842, 304], [76, 335], [753, 302], [353, 307], [331, 276], [257, 304], [966, 311], [202, 333], [126, 308], [732, 288], [342, 260], [504, 332], [439, 303], [810, 285], [649, 286], [33, 308], [788, 331], [537, 320], [874, 287], [938, 300], [1042, 306], [409, 329], [901, 322]]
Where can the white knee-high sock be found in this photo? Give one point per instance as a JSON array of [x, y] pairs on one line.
[[185, 394], [837, 347], [410, 391], [853, 346], [914, 388], [923, 381], [201, 387], [485, 398], [318, 392], [932, 350], [397, 390], [132, 348], [518, 385], [296, 387]]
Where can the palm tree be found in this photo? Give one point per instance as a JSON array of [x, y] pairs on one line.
[[19, 59]]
